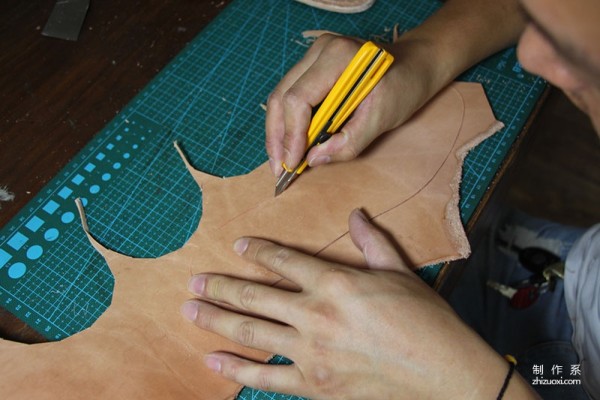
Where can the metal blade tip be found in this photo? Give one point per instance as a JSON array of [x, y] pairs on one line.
[[284, 181]]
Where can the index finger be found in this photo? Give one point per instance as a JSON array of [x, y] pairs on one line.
[[308, 91], [299, 268], [274, 122], [291, 104]]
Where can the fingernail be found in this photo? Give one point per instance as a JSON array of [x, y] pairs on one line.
[[189, 310], [286, 157], [274, 165], [360, 214], [240, 246], [319, 160], [196, 284], [213, 362]]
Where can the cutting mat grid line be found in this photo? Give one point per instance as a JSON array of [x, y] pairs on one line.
[[139, 198], [61, 285]]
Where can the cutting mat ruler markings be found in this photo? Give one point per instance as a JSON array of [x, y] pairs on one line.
[[140, 199], [36, 266]]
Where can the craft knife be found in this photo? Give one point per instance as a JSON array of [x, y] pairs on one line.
[[358, 79]]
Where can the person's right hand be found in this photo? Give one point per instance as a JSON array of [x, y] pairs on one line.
[[403, 89], [427, 58]]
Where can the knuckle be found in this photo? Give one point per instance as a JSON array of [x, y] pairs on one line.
[[206, 319], [338, 282], [270, 254], [231, 369], [247, 295], [342, 45], [351, 150], [214, 288], [320, 349], [273, 97], [245, 333], [291, 99], [323, 39], [324, 381], [262, 251], [265, 381], [280, 257]]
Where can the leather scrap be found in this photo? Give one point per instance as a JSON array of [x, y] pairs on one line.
[[340, 6], [142, 348]]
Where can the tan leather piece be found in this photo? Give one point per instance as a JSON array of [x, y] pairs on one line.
[[142, 348], [340, 6]]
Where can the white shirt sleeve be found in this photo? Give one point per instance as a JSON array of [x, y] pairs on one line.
[[582, 294]]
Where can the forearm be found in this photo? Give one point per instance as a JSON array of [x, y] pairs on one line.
[[460, 34], [427, 59]]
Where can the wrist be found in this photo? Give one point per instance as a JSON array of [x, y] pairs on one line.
[[462, 33], [479, 372], [518, 388], [500, 380], [422, 57]]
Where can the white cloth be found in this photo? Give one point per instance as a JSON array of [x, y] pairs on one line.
[[582, 295]]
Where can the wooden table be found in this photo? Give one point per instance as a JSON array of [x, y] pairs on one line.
[[57, 94]]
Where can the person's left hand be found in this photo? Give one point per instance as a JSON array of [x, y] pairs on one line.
[[352, 333]]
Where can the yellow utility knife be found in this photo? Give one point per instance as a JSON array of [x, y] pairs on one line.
[[358, 79]]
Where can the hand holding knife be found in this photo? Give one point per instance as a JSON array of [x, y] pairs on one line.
[[358, 79]]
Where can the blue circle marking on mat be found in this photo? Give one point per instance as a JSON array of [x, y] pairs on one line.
[[17, 270], [51, 234], [117, 165], [67, 217], [106, 177], [35, 252], [94, 189]]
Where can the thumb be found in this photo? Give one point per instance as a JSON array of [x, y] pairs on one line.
[[378, 251], [355, 136], [343, 146]]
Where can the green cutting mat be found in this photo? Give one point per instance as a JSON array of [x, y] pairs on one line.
[[139, 198]]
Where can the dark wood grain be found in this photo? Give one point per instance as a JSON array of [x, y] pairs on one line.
[[55, 94]]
